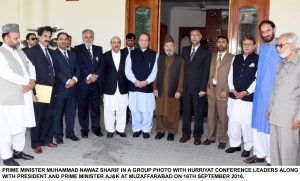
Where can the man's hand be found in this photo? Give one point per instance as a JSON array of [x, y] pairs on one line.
[[223, 94], [29, 87], [201, 93], [240, 95], [138, 84], [94, 78], [155, 92], [144, 83], [177, 95], [268, 114], [35, 99], [296, 124], [70, 84], [209, 92]]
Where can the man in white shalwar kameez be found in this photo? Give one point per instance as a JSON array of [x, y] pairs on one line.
[[141, 70], [241, 82], [17, 79], [115, 89]]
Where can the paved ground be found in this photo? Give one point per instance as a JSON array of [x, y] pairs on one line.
[[117, 151]]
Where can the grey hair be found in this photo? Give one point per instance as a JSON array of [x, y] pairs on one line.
[[88, 31], [292, 38]]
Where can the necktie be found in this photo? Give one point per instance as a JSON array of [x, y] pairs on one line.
[[218, 61], [50, 67], [90, 53], [67, 61], [192, 54], [66, 57]]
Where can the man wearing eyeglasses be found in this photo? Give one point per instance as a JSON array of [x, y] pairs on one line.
[[266, 72], [284, 112], [31, 41]]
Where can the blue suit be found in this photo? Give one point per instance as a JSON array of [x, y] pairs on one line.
[[89, 94], [65, 102]]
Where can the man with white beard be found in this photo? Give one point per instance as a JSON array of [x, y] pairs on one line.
[[284, 110], [167, 89]]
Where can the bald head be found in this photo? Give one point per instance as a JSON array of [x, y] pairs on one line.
[[115, 43]]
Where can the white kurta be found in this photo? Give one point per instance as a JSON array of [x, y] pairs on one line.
[[17, 117]]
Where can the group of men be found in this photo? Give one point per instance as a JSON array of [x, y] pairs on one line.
[[239, 90]]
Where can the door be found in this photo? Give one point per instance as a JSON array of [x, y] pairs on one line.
[[143, 16], [244, 18]]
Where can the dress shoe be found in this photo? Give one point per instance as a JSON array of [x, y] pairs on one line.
[[197, 141], [146, 135], [123, 135], [38, 149], [268, 164], [84, 135], [254, 159], [51, 145], [170, 137], [159, 135], [184, 139], [73, 138], [10, 162], [233, 149], [136, 134], [59, 141], [245, 153], [22, 155], [221, 146], [208, 142], [98, 133], [110, 135]]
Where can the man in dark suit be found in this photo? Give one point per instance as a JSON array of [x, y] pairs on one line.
[[89, 84], [115, 89], [42, 58], [67, 74], [130, 43], [196, 73], [32, 40]]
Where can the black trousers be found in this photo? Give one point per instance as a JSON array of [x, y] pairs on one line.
[[89, 106], [193, 103], [42, 133]]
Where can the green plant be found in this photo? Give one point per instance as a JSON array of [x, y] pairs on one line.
[[52, 41]]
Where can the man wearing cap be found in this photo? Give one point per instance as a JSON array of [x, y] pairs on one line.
[[167, 89], [17, 79]]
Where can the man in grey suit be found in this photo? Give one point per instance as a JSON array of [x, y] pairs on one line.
[[283, 111]]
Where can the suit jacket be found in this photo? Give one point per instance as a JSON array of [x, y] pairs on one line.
[[88, 66], [112, 77], [64, 71], [25, 49], [196, 72], [37, 56], [223, 71]]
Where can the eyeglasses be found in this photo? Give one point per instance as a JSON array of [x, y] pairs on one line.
[[34, 39], [280, 45], [247, 44]]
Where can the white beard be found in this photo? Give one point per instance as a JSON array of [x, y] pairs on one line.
[[286, 53]]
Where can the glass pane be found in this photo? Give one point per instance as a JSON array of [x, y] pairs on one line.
[[248, 24], [142, 21]]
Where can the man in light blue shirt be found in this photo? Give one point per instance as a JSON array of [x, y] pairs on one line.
[[141, 70]]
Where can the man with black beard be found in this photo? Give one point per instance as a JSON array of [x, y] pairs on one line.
[[265, 80], [217, 92]]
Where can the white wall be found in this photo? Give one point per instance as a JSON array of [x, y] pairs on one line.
[[106, 18], [285, 15], [185, 17]]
